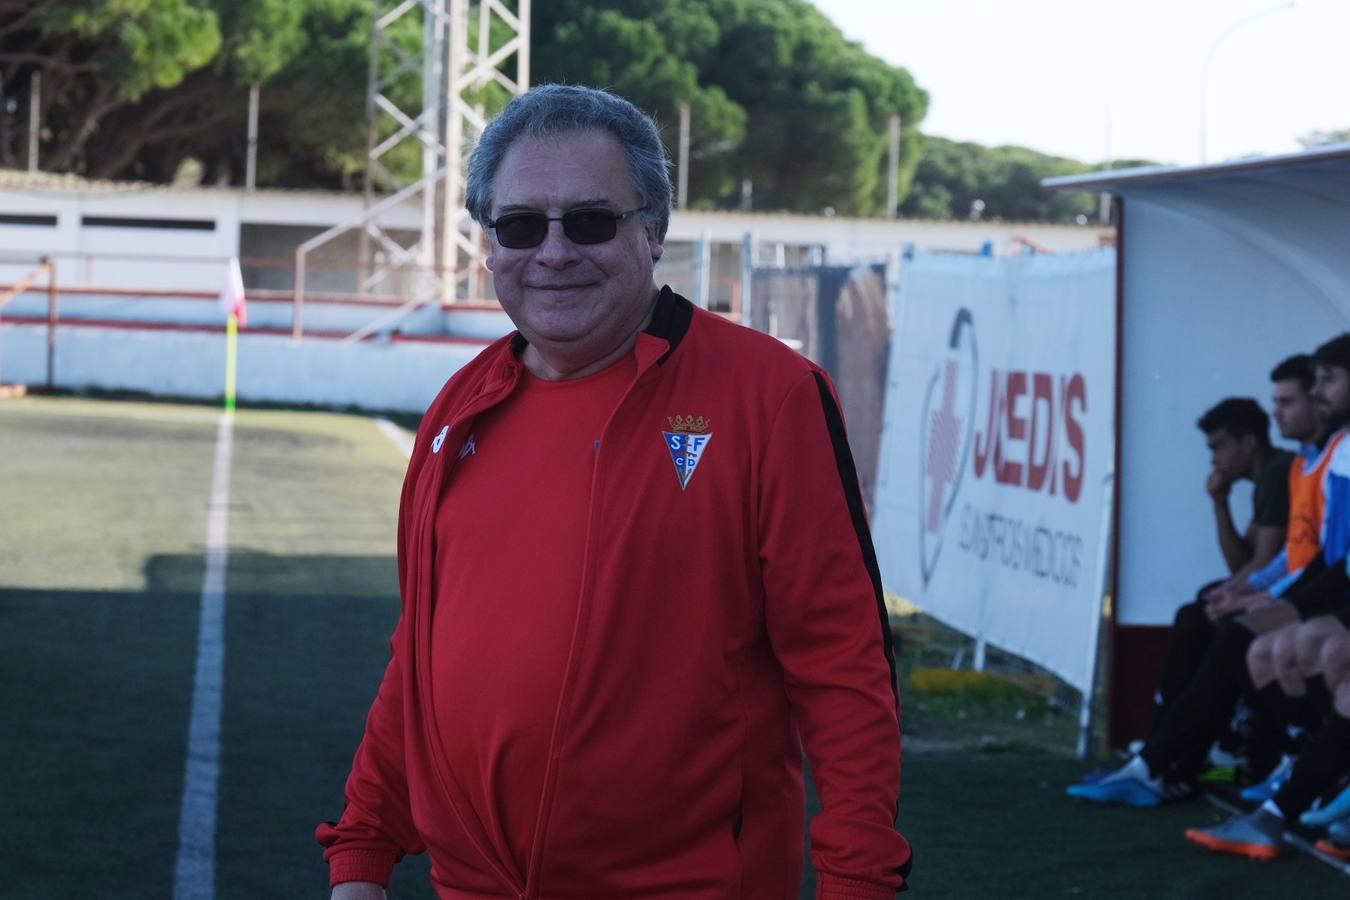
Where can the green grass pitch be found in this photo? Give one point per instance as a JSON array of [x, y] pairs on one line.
[[102, 530]]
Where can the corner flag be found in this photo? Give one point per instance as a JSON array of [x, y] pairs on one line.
[[232, 301]]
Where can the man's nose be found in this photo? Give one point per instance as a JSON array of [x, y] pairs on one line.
[[557, 249]]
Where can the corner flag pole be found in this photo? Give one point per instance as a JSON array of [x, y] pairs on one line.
[[235, 306], [231, 359]]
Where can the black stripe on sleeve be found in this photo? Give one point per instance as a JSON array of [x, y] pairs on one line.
[[848, 474]]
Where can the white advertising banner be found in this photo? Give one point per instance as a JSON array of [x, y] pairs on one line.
[[996, 455]]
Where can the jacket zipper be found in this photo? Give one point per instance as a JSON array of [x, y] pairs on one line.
[[532, 876]]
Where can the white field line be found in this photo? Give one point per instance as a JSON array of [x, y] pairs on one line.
[[195, 870], [402, 440]]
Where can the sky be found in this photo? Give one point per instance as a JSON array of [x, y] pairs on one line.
[[1098, 79]]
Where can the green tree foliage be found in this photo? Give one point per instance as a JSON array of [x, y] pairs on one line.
[[778, 96], [132, 87], [654, 61], [313, 118], [97, 58], [952, 176], [1323, 138]]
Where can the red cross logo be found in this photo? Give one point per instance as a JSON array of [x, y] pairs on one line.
[[943, 437]]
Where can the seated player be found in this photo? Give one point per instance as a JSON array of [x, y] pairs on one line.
[[1237, 433], [1297, 419], [1185, 729]]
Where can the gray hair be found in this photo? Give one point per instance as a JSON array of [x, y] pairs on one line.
[[553, 109]]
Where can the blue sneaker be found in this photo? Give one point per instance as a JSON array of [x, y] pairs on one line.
[[1337, 842], [1339, 831], [1172, 791], [1117, 790], [1266, 790], [1319, 815]]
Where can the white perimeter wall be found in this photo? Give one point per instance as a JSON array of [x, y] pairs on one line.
[[849, 240], [399, 376], [85, 253], [457, 322]]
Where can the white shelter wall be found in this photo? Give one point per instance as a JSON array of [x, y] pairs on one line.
[[1221, 282]]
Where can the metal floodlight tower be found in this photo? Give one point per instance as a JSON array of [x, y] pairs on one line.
[[392, 65], [473, 65], [456, 62]]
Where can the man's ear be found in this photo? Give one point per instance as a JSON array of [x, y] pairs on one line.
[[491, 254], [653, 242]]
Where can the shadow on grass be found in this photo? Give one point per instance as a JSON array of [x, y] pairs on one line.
[[96, 690], [96, 686]]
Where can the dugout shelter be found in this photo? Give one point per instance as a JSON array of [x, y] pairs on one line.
[[1222, 271]]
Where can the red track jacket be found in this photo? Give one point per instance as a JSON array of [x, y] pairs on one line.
[[724, 623]]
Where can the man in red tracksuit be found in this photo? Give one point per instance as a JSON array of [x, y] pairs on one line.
[[637, 577]]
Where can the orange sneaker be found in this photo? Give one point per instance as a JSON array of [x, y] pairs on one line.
[[1256, 835], [1333, 849]]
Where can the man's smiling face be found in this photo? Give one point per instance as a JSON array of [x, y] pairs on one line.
[[580, 300]]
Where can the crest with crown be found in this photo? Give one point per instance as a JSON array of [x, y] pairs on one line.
[[689, 424]]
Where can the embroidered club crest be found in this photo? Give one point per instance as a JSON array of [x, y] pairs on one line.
[[687, 439]]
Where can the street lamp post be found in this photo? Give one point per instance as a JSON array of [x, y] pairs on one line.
[[1209, 58]]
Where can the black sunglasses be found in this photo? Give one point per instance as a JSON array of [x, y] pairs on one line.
[[522, 230]]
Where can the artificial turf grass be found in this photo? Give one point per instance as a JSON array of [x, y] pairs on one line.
[[313, 599], [89, 495], [97, 503], [114, 495], [300, 675], [95, 688], [1000, 826], [310, 606]]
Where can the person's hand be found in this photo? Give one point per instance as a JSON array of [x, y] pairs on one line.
[[1253, 599], [1218, 600], [1269, 614], [1219, 588], [1237, 602], [1218, 484], [358, 890]]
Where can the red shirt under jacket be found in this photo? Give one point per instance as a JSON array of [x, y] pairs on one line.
[[499, 646]]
